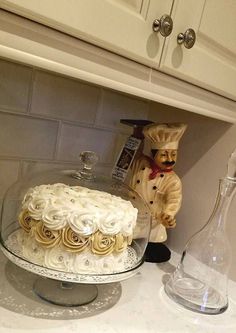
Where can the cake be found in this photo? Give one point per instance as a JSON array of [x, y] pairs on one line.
[[76, 229]]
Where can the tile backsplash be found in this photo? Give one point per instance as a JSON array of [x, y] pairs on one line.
[[46, 120], [62, 98], [15, 86]]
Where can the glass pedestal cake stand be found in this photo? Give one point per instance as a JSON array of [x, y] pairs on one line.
[[68, 288], [79, 192]]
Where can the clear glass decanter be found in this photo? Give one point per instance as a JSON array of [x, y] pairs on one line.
[[200, 280]]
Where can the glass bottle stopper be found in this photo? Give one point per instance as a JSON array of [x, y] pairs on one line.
[[231, 166]]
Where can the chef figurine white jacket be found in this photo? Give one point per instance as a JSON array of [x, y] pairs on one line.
[[157, 183]]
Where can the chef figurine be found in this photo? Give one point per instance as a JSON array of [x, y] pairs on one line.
[[156, 182]]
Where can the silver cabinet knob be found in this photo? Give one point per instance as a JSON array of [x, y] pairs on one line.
[[164, 25], [188, 38]]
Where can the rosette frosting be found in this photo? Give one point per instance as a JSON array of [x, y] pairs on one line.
[[57, 258], [85, 211], [45, 236], [54, 217], [84, 222], [73, 228], [26, 221], [102, 244], [74, 242], [32, 251]]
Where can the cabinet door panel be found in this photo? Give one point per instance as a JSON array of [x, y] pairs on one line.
[[122, 26], [211, 63]]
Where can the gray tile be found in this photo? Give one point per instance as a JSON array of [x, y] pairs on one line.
[[116, 106], [31, 167], [14, 86], [75, 139], [63, 98], [27, 137], [8, 174]]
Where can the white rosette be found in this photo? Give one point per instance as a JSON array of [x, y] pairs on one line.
[[78, 203], [94, 264], [36, 206], [102, 196], [129, 221], [57, 258], [22, 237], [55, 218], [38, 202], [85, 211], [109, 224], [15, 241], [65, 192], [106, 265], [81, 192], [32, 251], [93, 204], [120, 261], [85, 263], [84, 222], [127, 228], [27, 198]]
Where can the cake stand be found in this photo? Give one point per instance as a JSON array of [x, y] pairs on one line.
[[68, 288]]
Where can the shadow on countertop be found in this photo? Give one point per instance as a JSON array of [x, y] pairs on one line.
[[17, 295]]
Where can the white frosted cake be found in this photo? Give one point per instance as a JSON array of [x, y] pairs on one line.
[[75, 229]]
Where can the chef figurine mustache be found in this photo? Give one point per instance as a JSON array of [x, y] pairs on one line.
[[154, 179]]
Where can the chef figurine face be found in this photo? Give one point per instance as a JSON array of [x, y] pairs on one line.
[[165, 159]]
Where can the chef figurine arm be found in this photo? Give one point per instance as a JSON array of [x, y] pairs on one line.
[[173, 199], [168, 220]]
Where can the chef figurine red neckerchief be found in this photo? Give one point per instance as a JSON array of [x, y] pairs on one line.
[[155, 180]]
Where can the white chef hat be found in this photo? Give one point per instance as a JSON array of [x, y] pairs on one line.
[[164, 136]]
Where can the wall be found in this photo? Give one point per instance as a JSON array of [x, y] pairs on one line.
[[46, 120]]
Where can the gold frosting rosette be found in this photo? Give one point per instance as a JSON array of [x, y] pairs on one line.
[[121, 243], [45, 236], [26, 221], [73, 241], [102, 244]]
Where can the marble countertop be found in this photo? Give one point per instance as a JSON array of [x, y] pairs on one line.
[[138, 304]]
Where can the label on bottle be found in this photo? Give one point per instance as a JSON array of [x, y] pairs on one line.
[[125, 158]]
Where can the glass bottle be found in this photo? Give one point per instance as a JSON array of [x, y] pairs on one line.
[[200, 280]]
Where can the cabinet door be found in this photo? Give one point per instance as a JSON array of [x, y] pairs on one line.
[[211, 63], [122, 26]]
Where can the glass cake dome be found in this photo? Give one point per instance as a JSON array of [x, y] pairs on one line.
[[76, 229]]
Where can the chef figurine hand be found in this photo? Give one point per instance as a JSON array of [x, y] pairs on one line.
[[167, 220]]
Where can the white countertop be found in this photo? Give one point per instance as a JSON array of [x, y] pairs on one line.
[[138, 304]]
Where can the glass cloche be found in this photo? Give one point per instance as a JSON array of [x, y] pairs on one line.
[[75, 229]]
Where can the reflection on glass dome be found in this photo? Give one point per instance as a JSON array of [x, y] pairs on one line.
[[72, 226]]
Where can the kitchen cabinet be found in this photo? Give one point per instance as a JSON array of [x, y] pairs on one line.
[[211, 62], [125, 27], [122, 26], [35, 44]]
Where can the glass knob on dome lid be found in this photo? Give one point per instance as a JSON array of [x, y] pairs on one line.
[[89, 159]]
